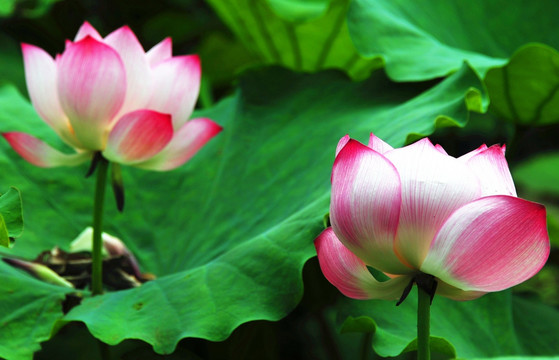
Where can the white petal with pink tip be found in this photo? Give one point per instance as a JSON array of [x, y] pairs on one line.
[[138, 136], [343, 141], [176, 83], [433, 186], [92, 86], [87, 30], [40, 153], [350, 275], [160, 52], [40, 76], [185, 143], [365, 206], [378, 144], [492, 171], [490, 244], [467, 156], [138, 71]]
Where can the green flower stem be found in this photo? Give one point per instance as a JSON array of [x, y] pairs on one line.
[[423, 319], [97, 255]]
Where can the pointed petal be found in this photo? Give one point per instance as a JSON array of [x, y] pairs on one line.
[[185, 143], [138, 136], [160, 52], [490, 244], [350, 275], [378, 144], [472, 153], [41, 154], [365, 206], [343, 141], [87, 30], [433, 186], [440, 149], [492, 170], [92, 86], [40, 76], [176, 83], [138, 72]]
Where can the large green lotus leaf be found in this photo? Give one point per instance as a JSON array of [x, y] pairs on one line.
[[525, 90], [496, 324], [29, 308], [425, 39], [228, 233], [301, 35]]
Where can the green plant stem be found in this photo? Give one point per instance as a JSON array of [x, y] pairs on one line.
[[423, 319], [97, 255]]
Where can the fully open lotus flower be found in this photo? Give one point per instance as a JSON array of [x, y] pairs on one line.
[[418, 210], [107, 95]]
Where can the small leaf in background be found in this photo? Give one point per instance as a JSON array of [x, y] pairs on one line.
[[525, 91], [304, 36], [11, 216], [425, 39]]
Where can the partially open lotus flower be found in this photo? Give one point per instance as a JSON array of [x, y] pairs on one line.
[[418, 210], [107, 95]]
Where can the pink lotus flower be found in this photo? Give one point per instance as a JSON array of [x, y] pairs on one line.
[[108, 95], [417, 209]]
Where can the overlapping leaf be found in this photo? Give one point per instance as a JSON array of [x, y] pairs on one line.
[[228, 233], [526, 90], [425, 39]]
